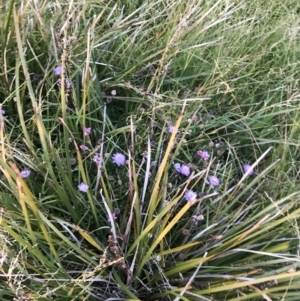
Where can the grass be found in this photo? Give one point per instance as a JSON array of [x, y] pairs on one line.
[[156, 82]]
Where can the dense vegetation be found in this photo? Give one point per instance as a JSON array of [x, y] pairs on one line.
[[149, 150]]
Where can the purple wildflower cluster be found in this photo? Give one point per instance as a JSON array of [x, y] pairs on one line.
[[118, 158], [184, 169]]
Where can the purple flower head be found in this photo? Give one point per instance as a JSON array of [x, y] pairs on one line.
[[177, 167], [58, 71], [171, 129], [83, 147], [83, 187], [183, 169], [203, 154], [249, 169], [25, 173], [119, 159], [87, 131], [3, 112], [117, 211], [214, 181], [97, 160], [190, 195], [112, 217]]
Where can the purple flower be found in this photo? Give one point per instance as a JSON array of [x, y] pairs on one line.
[[203, 154], [3, 112], [119, 159], [58, 71], [25, 173], [249, 169], [112, 217], [87, 131], [97, 160], [183, 169], [190, 195], [214, 181], [177, 167], [171, 129], [83, 187], [83, 147], [117, 211]]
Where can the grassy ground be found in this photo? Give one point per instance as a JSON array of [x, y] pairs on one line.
[[149, 150]]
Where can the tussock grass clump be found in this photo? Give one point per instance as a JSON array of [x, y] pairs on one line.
[[149, 150]]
